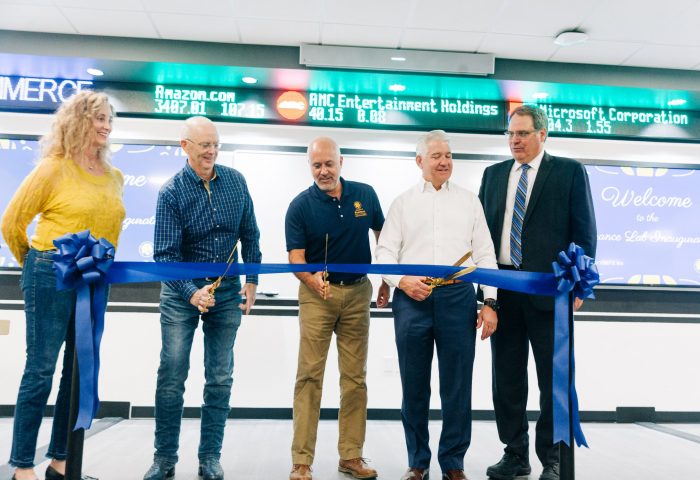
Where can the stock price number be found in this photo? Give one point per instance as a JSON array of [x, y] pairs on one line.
[[557, 125], [181, 107], [599, 126], [245, 110], [375, 116], [330, 114]]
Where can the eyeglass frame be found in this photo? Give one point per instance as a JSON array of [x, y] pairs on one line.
[[519, 134], [205, 145]]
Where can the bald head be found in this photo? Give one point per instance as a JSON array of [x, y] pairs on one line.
[[325, 163], [194, 125]]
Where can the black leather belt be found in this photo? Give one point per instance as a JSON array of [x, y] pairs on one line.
[[507, 267], [349, 282]]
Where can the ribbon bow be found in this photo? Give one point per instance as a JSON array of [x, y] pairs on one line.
[[81, 264], [574, 273]]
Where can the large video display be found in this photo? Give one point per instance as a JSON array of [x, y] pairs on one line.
[[648, 233]]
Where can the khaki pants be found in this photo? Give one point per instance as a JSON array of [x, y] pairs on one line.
[[347, 314]]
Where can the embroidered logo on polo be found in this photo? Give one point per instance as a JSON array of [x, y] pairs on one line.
[[359, 211]]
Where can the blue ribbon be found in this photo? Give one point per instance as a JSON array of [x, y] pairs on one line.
[[81, 263], [576, 275]]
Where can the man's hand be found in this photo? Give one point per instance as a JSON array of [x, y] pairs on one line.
[[383, 295], [578, 302], [248, 292], [202, 299], [414, 287], [488, 319], [315, 282]]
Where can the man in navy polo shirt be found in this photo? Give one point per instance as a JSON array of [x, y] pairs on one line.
[[329, 222]]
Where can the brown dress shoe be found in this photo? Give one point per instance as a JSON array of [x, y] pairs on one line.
[[416, 474], [300, 472], [357, 468], [454, 475]]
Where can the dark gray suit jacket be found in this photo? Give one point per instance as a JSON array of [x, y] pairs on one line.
[[560, 211]]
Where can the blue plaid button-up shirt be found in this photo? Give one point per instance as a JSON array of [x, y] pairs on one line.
[[196, 225]]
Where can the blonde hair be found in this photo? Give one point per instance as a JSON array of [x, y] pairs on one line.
[[72, 131]]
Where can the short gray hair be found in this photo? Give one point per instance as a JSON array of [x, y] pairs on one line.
[[192, 123], [432, 136], [539, 117]]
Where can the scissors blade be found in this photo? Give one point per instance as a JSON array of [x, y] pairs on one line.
[[459, 262], [229, 262], [461, 273]]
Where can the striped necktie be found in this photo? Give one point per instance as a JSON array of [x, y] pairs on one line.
[[516, 228]]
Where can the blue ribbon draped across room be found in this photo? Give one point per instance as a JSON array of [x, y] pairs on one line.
[[86, 264]]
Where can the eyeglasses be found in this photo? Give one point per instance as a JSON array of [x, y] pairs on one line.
[[519, 133], [205, 145]]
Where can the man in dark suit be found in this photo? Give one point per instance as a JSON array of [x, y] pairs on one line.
[[535, 206]]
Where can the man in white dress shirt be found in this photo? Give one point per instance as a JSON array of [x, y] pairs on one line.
[[437, 222]]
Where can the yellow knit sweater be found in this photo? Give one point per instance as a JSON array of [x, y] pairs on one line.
[[68, 200]]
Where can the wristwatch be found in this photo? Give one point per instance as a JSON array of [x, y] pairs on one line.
[[492, 303]]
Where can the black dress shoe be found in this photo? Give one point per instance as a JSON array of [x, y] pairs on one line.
[[160, 471], [550, 472], [210, 469], [52, 474], [509, 467]]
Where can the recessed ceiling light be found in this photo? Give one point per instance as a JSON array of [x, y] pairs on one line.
[[676, 102], [95, 72], [540, 95], [397, 87], [398, 59], [249, 80], [570, 37]]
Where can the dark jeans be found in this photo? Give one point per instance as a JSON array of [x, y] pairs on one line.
[[179, 320], [50, 320], [520, 325], [446, 320]]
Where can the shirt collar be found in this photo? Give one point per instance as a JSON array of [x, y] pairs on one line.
[[193, 175], [324, 197], [534, 164], [426, 186]]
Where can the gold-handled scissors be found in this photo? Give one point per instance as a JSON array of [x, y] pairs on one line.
[[436, 282], [217, 282], [325, 271]]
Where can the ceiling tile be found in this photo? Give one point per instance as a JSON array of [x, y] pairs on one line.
[[308, 10], [6, 3], [665, 56], [628, 21], [179, 27], [441, 40], [360, 36], [278, 32], [521, 47], [135, 5], [475, 15], [111, 22], [681, 30], [29, 18], [198, 7], [390, 13], [605, 53], [542, 17]]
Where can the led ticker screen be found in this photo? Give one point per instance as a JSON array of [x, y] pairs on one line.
[[345, 109], [622, 122], [330, 108]]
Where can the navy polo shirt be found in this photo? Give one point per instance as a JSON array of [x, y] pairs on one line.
[[313, 214]]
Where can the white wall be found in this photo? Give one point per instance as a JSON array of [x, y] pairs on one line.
[[618, 364]]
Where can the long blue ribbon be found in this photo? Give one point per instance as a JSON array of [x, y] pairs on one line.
[[576, 275], [81, 262], [573, 272]]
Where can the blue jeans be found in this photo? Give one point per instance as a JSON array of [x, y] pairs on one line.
[[179, 320], [50, 320], [446, 322]]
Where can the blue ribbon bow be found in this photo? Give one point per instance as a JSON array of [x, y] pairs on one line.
[[575, 273], [81, 263]]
